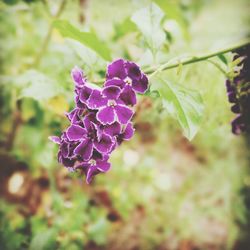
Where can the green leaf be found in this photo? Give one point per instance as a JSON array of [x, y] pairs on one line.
[[37, 85], [123, 28], [43, 241], [87, 55], [222, 58], [184, 104], [173, 11], [148, 20], [88, 39]]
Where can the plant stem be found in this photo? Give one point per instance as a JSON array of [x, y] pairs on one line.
[[48, 36], [195, 59], [154, 70]]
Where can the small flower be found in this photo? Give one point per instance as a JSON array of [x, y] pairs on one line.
[[78, 77], [94, 166], [110, 107], [238, 92], [128, 76]]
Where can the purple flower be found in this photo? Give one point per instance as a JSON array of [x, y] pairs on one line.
[[78, 76], [110, 107], [94, 166], [75, 116], [90, 138], [238, 92], [101, 119], [128, 76]]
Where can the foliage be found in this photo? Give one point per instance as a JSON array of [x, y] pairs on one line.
[[163, 191]]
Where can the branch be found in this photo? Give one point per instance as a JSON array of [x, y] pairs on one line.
[[48, 36], [195, 59]]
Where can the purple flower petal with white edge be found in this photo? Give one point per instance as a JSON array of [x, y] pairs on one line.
[[95, 167], [133, 70], [128, 131], [65, 161], [75, 132], [104, 145], [140, 85], [84, 94], [115, 82], [92, 170], [128, 95], [111, 92], [124, 114], [116, 69], [113, 129], [96, 100], [84, 149], [78, 76], [79, 104], [55, 139], [106, 115], [103, 166], [64, 147]]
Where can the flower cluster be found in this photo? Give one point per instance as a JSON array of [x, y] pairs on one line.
[[101, 119], [238, 91]]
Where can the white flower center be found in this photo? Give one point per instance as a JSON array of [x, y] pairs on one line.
[[92, 162], [111, 103], [128, 80]]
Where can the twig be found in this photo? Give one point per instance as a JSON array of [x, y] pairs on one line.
[[48, 36]]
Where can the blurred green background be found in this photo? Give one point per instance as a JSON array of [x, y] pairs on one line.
[[163, 191]]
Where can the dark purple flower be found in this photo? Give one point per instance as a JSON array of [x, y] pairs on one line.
[[90, 138], [101, 118], [128, 76], [126, 133], [238, 125], [75, 116], [110, 107], [94, 166]]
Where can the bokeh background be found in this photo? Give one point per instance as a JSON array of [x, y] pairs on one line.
[[163, 191]]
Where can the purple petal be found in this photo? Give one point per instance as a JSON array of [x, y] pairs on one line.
[[84, 94], [113, 129], [88, 120], [104, 145], [128, 96], [128, 132], [64, 148], [238, 125], [140, 85], [133, 70], [75, 132], [111, 92], [96, 100], [79, 104], [65, 161], [55, 139], [71, 114], [124, 114], [235, 108], [106, 115], [232, 97], [103, 166], [84, 149], [78, 76], [115, 82], [92, 170], [116, 69]]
